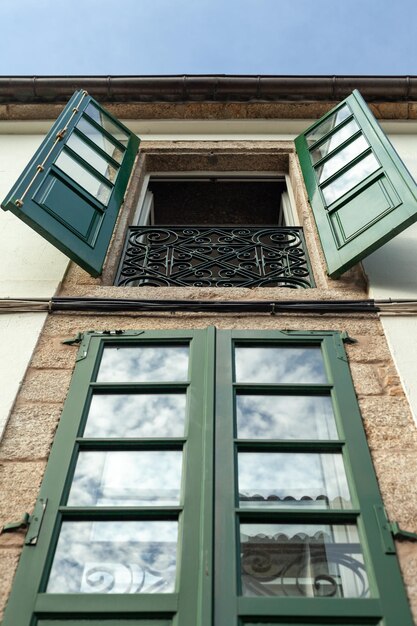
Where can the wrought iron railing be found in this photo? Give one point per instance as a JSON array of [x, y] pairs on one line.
[[215, 256]]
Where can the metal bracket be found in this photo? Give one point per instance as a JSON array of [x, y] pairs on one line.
[[346, 338], [390, 531], [400, 534], [73, 340], [22, 523], [385, 530], [33, 522], [36, 522]]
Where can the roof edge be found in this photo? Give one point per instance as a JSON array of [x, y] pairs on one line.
[[206, 88]]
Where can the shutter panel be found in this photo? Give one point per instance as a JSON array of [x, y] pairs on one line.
[[72, 189], [360, 191]]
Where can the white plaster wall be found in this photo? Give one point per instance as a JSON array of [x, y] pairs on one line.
[[29, 267]]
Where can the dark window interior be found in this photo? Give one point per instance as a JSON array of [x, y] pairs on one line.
[[217, 201]]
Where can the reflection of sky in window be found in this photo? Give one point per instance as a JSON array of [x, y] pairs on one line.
[[104, 121], [336, 162], [285, 417], [279, 365], [144, 364], [91, 156], [127, 478], [115, 557], [294, 475], [325, 127], [136, 415], [350, 179], [334, 140], [99, 139], [85, 179]]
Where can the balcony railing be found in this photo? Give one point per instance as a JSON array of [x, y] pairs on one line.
[[215, 256]]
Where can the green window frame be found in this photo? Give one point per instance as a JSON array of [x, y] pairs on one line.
[[210, 566], [73, 187], [361, 193]]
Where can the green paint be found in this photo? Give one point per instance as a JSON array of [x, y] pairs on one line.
[[58, 207], [381, 204]]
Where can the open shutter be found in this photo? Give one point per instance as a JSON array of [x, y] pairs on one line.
[[72, 189], [360, 191]]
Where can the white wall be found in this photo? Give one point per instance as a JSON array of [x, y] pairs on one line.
[[392, 273], [29, 267]]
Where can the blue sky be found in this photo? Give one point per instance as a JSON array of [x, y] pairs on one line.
[[41, 37]]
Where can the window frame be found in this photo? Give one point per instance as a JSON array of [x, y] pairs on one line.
[[288, 204], [142, 216], [193, 604], [195, 529], [361, 479]]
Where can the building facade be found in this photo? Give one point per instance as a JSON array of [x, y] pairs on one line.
[[234, 390]]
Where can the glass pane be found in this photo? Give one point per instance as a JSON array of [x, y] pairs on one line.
[[144, 364], [325, 127], [136, 415], [104, 121], [289, 479], [285, 417], [279, 365], [85, 179], [302, 560], [115, 557], [336, 162], [350, 179], [334, 140], [99, 139], [126, 478], [92, 157]]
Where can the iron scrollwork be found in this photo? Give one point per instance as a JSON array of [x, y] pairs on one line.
[[197, 256], [302, 566]]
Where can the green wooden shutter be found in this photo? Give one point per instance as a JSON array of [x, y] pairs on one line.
[[72, 189], [295, 399], [272, 387], [155, 402], [360, 191]]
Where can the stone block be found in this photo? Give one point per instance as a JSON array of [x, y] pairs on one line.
[[30, 431], [20, 486], [9, 560], [366, 379], [45, 385]]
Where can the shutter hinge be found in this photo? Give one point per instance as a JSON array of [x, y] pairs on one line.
[[32, 522], [385, 530], [390, 531], [400, 534], [73, 340], [346, 338], [84, 340], [12, 526]]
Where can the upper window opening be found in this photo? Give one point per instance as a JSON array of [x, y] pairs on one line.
[[215, 231], [221, 201]]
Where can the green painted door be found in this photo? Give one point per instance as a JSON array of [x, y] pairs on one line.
[[360, 191], [72, 189]]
